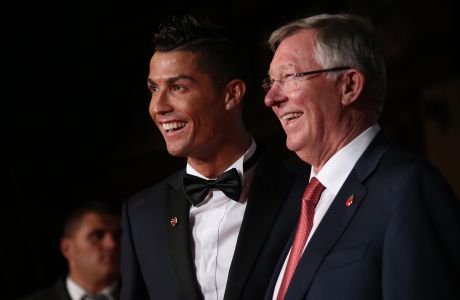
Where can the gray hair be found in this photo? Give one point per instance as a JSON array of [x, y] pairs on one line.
[[343, 40]]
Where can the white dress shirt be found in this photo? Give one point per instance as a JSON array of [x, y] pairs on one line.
[[332, 175], [215, 225], [76, 292]]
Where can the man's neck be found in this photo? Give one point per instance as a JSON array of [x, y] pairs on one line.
[[215, 164], [340, 141]]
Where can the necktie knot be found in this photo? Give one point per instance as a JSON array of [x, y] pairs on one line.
[[94, 297], [313, 191], [196, 189]]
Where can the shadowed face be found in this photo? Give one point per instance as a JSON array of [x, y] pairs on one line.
[[93, 249]]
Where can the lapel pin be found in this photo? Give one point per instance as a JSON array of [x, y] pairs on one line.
[[349, 201], [173, 221]]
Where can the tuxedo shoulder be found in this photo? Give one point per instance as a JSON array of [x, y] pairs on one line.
[[296, 166], [270, 162], [158, 188]]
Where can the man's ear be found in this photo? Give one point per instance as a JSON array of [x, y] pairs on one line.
[[353, 82], [234, 93], [65, 247]]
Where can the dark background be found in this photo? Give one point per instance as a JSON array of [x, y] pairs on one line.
[[75, 105]]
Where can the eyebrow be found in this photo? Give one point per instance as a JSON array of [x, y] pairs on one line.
[[283, 68], [173, 79]]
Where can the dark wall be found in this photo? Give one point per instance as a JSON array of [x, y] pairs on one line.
[[76, 120]]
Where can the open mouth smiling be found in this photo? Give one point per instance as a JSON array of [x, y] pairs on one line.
[[173, 126], [291, 116]]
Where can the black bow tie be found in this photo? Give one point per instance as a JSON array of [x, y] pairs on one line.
[[196, 188]]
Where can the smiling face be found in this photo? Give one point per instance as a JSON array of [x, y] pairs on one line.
[[185, 105], [310, 114]]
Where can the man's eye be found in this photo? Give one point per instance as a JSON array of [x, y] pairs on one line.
[[97, 235], [153, 89], [178, 87]]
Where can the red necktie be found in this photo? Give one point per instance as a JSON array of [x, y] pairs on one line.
[[309, 200]]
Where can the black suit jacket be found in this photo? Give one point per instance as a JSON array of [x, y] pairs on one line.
[[156, 257], [399, 239], [58, 291]]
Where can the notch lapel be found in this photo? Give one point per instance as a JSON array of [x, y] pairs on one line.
[[269, 190], [177, 227], [336, 219], [328, 232]]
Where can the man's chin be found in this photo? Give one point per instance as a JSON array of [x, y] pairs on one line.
[[109, 271], [300, 151], [175, 149], [292, 145]]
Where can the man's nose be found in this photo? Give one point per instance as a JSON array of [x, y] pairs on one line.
[[274, 96], [111, 241], [159, 103]]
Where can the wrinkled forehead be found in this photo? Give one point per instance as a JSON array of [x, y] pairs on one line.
[[294, 54]]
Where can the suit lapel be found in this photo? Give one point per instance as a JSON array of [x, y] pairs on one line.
[[59, 290], [336, 219], [268, 193], [177, 213], [328, 232]]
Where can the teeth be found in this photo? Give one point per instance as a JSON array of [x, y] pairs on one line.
[[291, 116], [173, 126]]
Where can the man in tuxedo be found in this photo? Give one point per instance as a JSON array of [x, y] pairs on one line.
[[216, 229], [91, 245], [376, 222]]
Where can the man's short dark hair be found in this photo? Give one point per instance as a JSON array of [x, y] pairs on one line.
[[218, 55], [73, 219]]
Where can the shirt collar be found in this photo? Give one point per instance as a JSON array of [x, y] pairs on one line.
[[76, 292], [238, 164], [336, 170]]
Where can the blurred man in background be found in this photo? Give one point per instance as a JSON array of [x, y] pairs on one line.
[[91, 245]]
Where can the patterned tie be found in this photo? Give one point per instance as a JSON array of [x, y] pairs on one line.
[[309, 200]]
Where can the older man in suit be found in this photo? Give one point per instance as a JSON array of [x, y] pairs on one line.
[[91, 245], [214, 230], [376, 222]]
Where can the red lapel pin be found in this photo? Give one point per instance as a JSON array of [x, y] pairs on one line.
[[173, 221], [349, 201]]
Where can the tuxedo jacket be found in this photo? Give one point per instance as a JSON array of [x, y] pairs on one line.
[[156, 257], [398, 239], [58, 291]]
